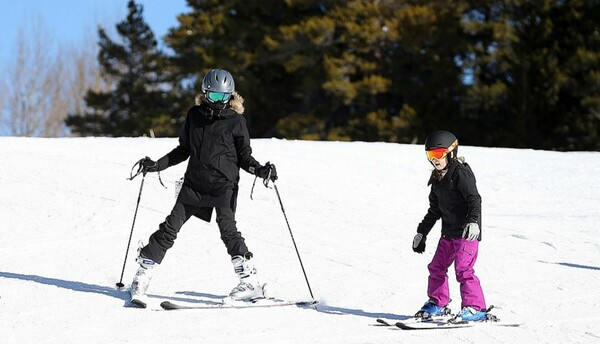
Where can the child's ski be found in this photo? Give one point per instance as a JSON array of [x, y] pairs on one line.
[[384, 322], [438, 325]]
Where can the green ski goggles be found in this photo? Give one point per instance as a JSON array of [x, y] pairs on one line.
[[218, 96]]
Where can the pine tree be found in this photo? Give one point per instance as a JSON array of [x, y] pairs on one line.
[[535, 74], [502, 73], [230, 35], [142, 100], [374, 70]]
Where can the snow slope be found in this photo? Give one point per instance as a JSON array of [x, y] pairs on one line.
[[67, 210]]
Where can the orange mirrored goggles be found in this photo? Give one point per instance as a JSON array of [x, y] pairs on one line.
[[436, 153], [440, 153]]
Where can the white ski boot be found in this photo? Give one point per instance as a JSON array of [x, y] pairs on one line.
[[141, 280], [249, 288]]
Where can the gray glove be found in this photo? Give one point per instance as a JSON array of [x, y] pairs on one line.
[[419, 243], [471, 231]]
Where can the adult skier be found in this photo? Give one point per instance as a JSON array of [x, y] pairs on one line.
[[216, 141], [453, 198]]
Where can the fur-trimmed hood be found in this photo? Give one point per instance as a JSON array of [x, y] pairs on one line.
[[236, 103]]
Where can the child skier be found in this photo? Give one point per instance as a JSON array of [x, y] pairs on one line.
[[453, 198], [216, 141]]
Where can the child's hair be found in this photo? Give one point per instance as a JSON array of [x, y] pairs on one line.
[[440, 174], [437, 174]]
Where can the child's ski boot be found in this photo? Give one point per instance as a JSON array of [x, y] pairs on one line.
[[470, 314], [430, 309]]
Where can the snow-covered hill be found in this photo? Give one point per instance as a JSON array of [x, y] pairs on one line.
[[66, 213]]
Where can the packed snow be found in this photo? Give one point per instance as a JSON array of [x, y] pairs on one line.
[[67, 212]]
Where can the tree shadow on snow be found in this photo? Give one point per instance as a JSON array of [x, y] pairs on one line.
[[571, 265], [324, 308], [71, 285]]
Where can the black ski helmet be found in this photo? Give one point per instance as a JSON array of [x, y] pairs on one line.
[[443, 139]]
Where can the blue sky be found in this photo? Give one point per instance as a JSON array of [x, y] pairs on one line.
[[71, 21]]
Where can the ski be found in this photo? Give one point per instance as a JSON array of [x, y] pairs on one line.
[[263, 303], [383, 322], [443, 318], [136, 303], [439, 325]]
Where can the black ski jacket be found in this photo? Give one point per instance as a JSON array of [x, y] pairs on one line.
[[455, 199], [217, 144]]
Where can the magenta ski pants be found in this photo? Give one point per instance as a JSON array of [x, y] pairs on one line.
[[463, 254]]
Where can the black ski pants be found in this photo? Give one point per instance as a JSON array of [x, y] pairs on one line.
[[164, 238]]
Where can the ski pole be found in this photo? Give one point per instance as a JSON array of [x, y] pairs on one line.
[[294, 241], [143, 172]]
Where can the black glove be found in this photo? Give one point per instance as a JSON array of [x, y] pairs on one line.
[[266, 172], [149, 165], [419, 243]]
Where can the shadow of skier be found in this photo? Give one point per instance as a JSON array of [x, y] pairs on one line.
[[192, 297], [71, 285]]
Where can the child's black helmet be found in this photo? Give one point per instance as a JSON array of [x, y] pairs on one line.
[[443, 139]]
